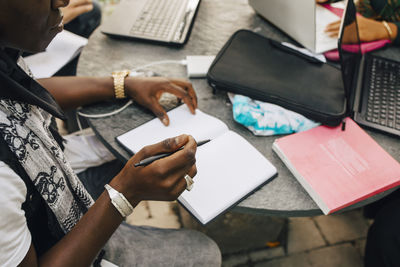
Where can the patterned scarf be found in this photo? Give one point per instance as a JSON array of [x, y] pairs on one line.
[[25, 126]]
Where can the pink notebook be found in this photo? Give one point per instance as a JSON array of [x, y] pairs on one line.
[[365, 46], [338, 168]]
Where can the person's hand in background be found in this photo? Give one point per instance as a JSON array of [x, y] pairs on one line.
[[76, 8], [368, 29]]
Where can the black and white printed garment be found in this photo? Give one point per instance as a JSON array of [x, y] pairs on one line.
[[25, 126]]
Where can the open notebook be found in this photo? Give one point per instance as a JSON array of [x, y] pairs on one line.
[[228, 167]]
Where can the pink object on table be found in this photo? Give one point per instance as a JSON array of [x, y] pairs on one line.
[[365, 47], [338, 168], [333, 55], [337, 11]]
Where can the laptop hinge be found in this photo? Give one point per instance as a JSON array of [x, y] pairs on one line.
[[358, 86]]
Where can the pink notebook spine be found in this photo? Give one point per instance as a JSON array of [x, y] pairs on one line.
[[383, 189]]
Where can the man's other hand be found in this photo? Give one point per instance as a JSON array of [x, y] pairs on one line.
[[147, 91]]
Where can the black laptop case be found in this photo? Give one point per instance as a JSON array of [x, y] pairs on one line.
[[263, 69]]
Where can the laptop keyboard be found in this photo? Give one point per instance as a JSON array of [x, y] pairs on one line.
[[157, 18], [383, 105]]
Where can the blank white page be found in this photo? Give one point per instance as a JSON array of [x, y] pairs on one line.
[[228, 168], [201, 126], [324, 17]]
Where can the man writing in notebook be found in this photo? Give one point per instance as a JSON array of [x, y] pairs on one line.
[[47, 217]]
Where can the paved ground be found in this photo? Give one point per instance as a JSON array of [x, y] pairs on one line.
[[335, 240]]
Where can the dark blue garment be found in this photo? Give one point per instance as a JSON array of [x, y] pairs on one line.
[[86, 23], [383, 240]]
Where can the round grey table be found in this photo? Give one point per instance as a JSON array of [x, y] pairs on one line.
[[216, 21]]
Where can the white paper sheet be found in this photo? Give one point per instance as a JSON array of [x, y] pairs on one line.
[[323, 18], [201, 126], [64, 47]]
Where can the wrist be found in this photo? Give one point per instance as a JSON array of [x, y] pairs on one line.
[[390, 30], [133, 86], [118, 183]]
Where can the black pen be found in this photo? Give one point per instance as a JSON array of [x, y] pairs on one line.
[[149, 160]]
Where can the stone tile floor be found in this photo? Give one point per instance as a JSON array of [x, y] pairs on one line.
[[334, 240]]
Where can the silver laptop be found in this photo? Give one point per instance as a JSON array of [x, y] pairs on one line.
[[165, 21], [303, 20]]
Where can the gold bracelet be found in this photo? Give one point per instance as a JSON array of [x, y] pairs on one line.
[[388, 29], [119, 79]]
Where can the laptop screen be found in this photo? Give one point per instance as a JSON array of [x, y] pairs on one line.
[[349, 51]]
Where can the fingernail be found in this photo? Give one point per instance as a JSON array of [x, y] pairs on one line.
[[165, 121]]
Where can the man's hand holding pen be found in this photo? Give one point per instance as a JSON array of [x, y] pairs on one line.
[[164, 178], [167, 177], [151, 159]]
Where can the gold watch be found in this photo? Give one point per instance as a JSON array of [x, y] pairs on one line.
[[119, 78]]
